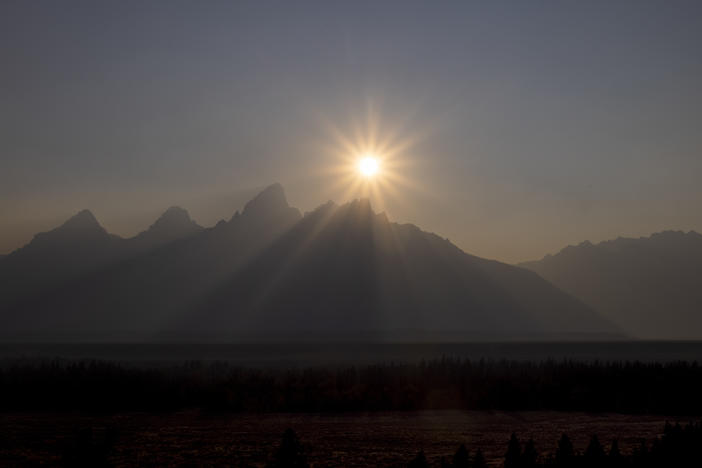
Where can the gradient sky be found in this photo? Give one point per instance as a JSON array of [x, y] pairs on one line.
[[526, 126]]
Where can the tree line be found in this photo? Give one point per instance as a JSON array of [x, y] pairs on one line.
[[447, 383]]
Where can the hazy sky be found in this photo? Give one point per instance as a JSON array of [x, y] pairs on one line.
[[527, 125]]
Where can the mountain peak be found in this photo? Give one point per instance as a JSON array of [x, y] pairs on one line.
[[270, 200], [322, 209], [360, 208], [174, 216], [174, 223], [84, 219]]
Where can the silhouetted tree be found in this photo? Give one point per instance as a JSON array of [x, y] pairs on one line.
[[420, 461], [89, 449], [529, 456], [479, 460], [565, 453], [594, 454], [290, 453], [614, 458], [461, 458], [640, 457], [514, 452]]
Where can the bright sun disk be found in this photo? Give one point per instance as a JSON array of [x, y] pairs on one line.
[[368, 166]]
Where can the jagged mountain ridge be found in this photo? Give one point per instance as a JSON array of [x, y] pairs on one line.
[[650, 285], [78, 247], [338, 270], [173, 224], [371, 274]]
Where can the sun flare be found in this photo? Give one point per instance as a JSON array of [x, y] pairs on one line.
[[368, 166], [372, 161]]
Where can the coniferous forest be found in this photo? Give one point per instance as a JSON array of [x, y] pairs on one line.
[[622, 387]]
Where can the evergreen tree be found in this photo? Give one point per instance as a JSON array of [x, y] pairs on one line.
[[479, 460], [461, 458], [565, 453], [594, 450], [594, 453], [514, 452], [290, 453], [90, 449], [640, 457], [420, 461], [614, 459], [530, 455]]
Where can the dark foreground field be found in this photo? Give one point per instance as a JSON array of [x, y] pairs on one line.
[[67, 412], [191, 438]]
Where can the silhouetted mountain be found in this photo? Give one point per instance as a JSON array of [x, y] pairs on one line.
[[79, 247], [270, 204], [649, 286], [345, 269], [173, 225], [146, 293], [76, 247], [270, 273], [83, 221]]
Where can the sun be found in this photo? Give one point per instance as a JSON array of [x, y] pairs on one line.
[[368, 166], [371, 161]]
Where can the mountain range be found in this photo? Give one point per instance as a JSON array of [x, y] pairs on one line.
[[270, 272], [650, 286]]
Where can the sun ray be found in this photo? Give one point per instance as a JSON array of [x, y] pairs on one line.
[[370, 159]]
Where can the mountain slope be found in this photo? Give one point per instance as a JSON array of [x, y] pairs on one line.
[[345, 270], [172, 225], [145, 292], [270, 273], [76, 247], [649, 286], [80, 247]]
